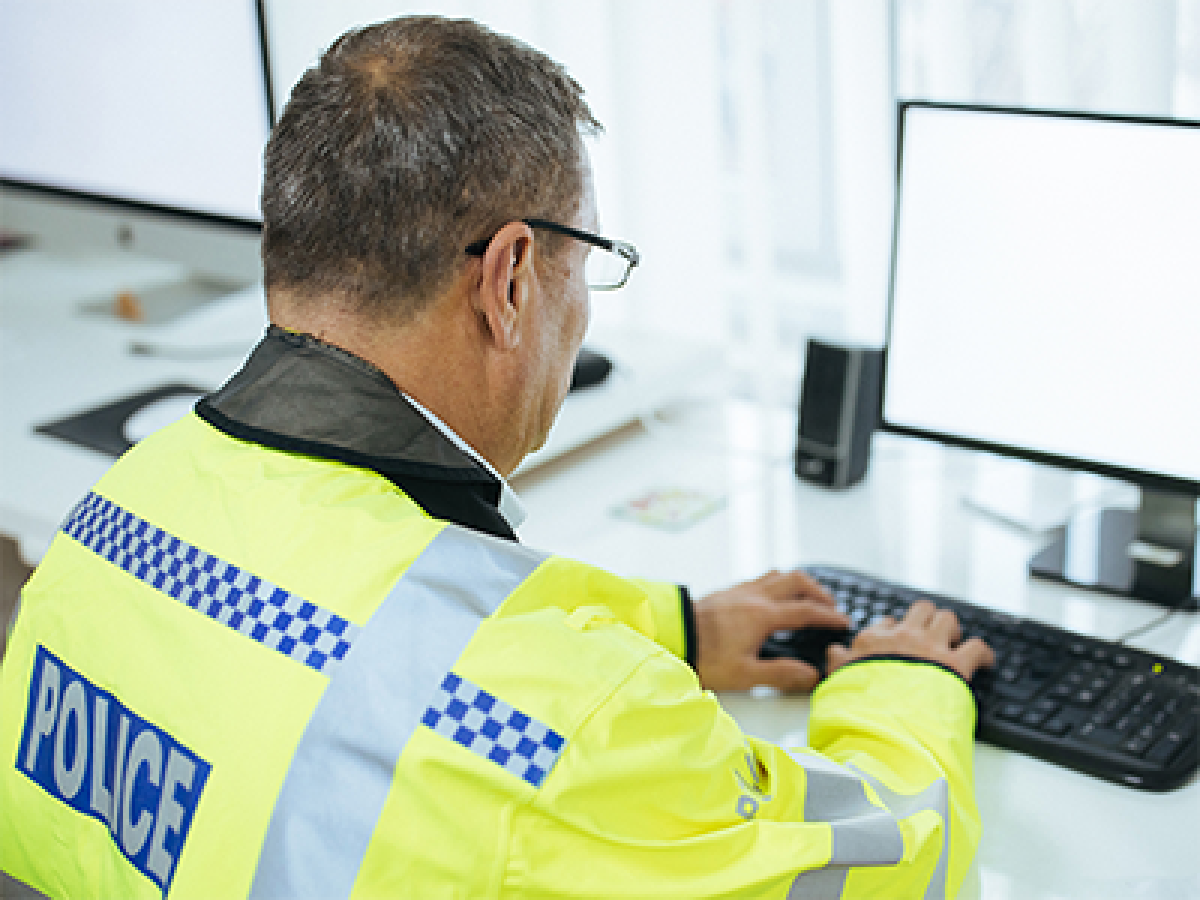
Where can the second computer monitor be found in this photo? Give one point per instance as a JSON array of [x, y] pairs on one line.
[[136, 124]]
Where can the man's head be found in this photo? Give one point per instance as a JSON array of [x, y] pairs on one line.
[[408, 141]]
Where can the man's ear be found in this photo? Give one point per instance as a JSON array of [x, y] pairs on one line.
[[506, 279]]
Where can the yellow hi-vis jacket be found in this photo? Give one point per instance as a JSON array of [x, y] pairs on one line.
[[241, 672]]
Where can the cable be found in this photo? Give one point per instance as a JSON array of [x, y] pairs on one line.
[[1152, 624]]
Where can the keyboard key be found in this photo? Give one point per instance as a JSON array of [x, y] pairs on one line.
[[1057, 726], [1009, 672], [1016, 690], [1164, 751], [1113, 706], [1189, 724], [1061, 691], [1044, 665], [1135, 746], [1033, 718], [1011, 710], [1127, 724], [1099, 735]]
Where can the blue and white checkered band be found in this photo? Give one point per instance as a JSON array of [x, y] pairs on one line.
[[485, 725], [246, 603]]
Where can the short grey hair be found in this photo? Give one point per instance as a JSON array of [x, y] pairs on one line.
[[407, 141]]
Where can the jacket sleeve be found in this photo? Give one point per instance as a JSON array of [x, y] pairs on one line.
[[671, 611], [906, 728], [658, 610], [664, 796]]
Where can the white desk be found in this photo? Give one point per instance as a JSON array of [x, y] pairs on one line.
[[1049, 833]]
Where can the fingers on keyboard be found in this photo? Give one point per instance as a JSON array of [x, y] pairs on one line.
[[945, 625], [978, 654]]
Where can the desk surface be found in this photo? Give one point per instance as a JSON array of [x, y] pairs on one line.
[[1049, 833]]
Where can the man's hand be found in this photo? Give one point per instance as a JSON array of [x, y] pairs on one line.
[[925, 632], [732, 624]]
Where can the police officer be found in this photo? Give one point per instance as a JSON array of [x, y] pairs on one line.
[[290, 646]]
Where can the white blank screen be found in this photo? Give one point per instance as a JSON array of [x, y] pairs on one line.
[[159, 102], [1046, 291]]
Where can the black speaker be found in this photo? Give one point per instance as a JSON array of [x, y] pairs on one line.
[[839, 410]]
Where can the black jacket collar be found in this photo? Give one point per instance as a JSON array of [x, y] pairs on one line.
[[300, 395]]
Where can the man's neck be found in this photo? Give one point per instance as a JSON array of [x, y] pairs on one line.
[[432, 361], [510, 506]]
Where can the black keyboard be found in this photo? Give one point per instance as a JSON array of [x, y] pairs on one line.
[[1094, 706]]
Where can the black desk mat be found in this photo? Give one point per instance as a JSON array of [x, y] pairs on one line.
[[103, 428]]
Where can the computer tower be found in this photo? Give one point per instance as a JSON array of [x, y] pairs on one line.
[[839, 411]]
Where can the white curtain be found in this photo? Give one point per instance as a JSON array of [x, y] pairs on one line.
[[726, 157], [1114, 56], [750, 143]]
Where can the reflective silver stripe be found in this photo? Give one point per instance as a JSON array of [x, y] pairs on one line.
[[935, 797], [342, 770], [835, 794], [819, 884], [862, 833]]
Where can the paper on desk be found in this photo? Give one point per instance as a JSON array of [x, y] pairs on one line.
[[230, 326], [671, 508]]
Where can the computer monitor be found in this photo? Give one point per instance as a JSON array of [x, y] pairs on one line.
[[1045, 305], [138, 125]]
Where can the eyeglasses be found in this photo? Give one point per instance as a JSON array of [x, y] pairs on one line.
[[605, 271]]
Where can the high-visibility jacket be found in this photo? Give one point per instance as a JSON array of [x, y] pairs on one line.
[[242, 671]]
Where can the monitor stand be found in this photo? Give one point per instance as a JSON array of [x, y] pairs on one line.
[[1148, 553]]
